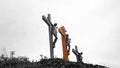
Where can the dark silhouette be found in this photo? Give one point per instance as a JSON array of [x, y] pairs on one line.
[[68, 41], [77, 54]]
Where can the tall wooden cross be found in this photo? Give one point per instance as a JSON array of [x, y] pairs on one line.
[[52, 32]]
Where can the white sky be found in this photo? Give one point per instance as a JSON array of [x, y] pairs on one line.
[[93, 25]]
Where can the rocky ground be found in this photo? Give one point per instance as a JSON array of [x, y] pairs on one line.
[[60, 63]]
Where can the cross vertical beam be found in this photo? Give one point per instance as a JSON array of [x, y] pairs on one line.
[[77, 54], [47, 20], [62, 31]]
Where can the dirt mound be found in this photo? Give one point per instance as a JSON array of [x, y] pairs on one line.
[[60, 63]]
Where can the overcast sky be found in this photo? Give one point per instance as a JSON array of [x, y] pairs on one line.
[[93, 25]]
